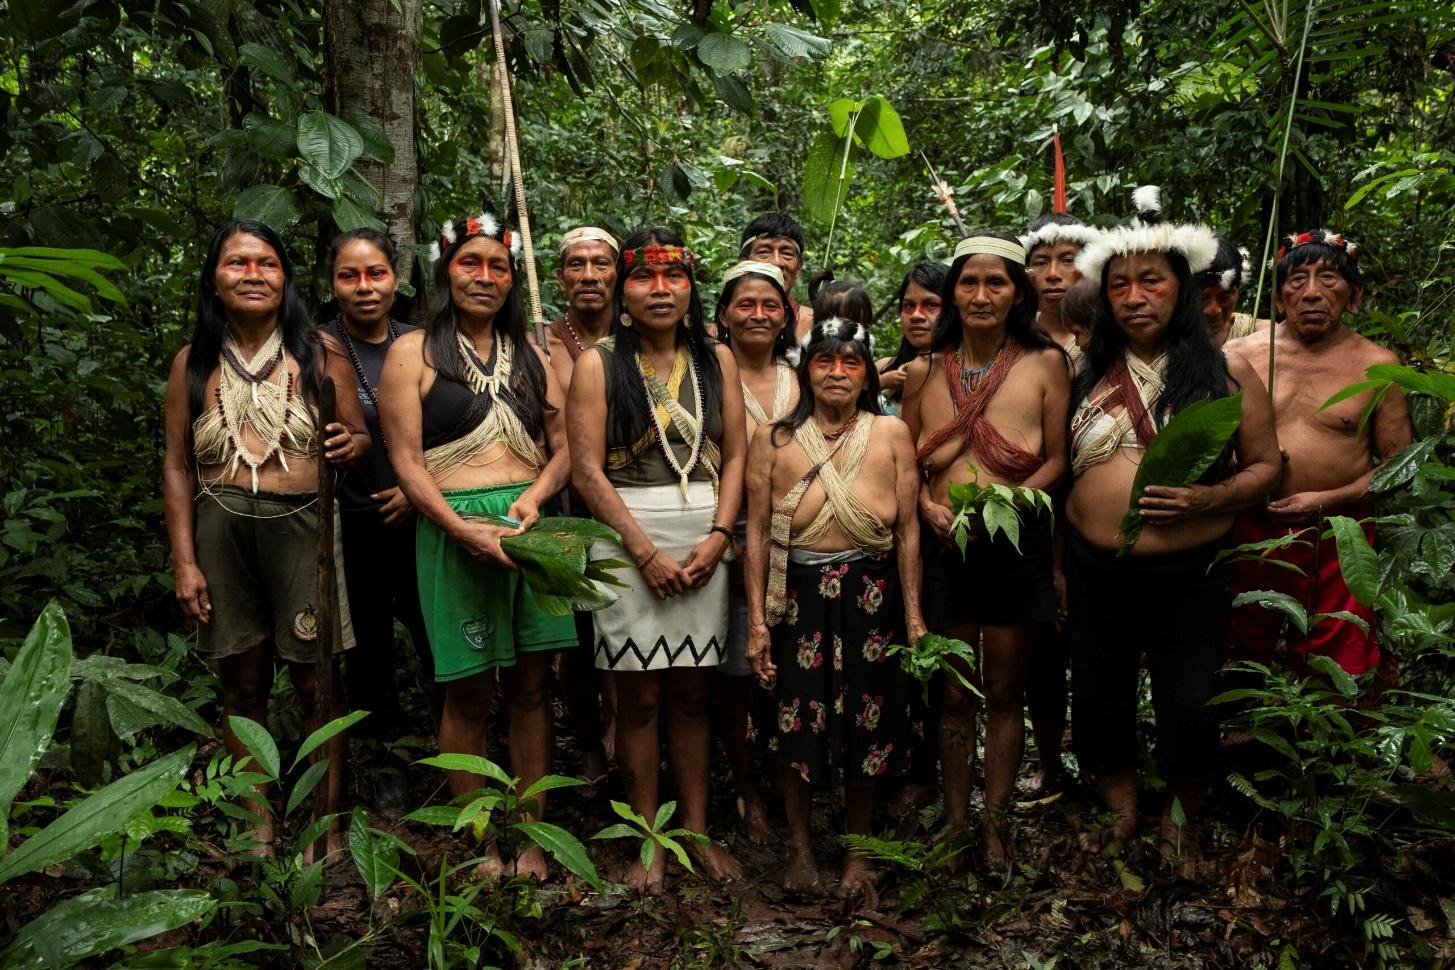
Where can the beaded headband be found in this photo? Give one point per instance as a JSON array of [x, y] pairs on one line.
[[753, 266], [462, 230], [1146, 233], [656, 254], [992, 246], [583, 234], [1312, 236], [748, 243]]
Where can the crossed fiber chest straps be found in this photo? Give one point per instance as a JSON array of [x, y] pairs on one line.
[[996, 454]]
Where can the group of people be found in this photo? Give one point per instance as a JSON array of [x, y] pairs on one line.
[[782, 499]]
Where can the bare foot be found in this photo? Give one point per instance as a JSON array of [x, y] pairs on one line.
[[714, 861], [648, 881], [802, 874], [1048, 781], [532, 862], [859, 880], [1123, 827], [491, 866], [996, 842], [1180, 845], [754, 817]]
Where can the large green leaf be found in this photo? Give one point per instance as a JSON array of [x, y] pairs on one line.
[[322, 735], [1401, 466], [376, 859], [267, 60], [259, 742], [724, 53], [1279, 602], [330, 143], [1357, 560], [822, 187], [1184, 449], [1434, 383], [169, 709], [97, 816], [880, 129], [795, 43], [472, 763], [30, 702], [564, 847], [95, 922], [271, 205], [348, 215]]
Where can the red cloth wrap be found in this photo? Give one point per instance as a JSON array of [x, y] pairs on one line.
[[1001, 458], [1253, 632]]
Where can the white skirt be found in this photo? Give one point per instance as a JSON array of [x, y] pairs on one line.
[[641, 632]]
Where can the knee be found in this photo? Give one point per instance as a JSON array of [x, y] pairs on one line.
[[527, 696], [464, 704], [957, 703], [1004, 698], [245, 695], [639, 711], [689, 705]]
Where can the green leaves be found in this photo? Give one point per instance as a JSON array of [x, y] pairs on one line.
[[995, 506], [50, 270], [100, 815], [260, 744], [328, 143], [1280, 602], [826, 172], [552, 558], [377, 859], [723, 53], [870, 125], [271, 205], [95, 922], [564, 847], [30, 702], [1357, 561], [933, 653], [1179, 454]]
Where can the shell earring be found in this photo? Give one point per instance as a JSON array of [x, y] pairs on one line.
[[626, 319]]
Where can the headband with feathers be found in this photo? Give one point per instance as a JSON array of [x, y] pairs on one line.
[[1147, 233], [462, 230]]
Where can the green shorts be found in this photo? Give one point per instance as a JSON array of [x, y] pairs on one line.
[[479, 616]]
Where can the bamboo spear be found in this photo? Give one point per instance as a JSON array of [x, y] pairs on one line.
[[942, 189], [326, 591]]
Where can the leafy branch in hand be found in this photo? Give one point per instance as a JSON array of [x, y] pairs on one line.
[[932, 653], [996, 507]]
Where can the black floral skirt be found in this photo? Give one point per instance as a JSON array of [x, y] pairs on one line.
[[846, 714]]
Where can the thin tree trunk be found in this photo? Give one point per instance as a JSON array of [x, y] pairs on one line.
[[373, 47]]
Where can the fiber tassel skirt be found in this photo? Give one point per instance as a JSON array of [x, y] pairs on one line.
[[640, 631]]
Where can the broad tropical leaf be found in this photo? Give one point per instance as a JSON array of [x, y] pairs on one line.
[[30, 702], [1357, 560], [564, 847], [95, 922]]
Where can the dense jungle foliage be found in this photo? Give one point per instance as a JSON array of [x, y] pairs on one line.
[[131, 130]]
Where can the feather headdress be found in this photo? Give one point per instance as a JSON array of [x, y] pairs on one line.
[[456, 231], [1147, 233]]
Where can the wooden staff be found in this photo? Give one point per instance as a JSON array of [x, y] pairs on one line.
[[326, 591]]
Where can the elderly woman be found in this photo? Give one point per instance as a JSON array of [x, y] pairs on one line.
[[656, 429], [832, 579], [751, 316], [1150, 357], [473, 416]]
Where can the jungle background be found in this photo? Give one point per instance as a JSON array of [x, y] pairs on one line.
[[133, 129]]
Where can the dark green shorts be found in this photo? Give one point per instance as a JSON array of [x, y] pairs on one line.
[[479, 616]]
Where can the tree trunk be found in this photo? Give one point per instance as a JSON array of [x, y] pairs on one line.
[[372, 49]]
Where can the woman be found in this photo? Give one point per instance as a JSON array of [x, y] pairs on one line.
[[1150, 357], [988, 406], [241, 482], [377, 520], [656, 428], [833, 579], [919, 308], [752, 317], [473, 416]]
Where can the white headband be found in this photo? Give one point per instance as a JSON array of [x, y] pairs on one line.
[[587, 234], [754, 266], [992, 246], [1197, 243], [1052, 233], [747, 243]]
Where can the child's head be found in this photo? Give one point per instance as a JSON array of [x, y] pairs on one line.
[[842, 299], [1078, 310]]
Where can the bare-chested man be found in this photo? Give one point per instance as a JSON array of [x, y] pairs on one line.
[[1329, 459], [989, 404], [1218, 289], [587, 275], [775, 238]]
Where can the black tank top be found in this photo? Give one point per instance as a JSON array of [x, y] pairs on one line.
[[452, 408]]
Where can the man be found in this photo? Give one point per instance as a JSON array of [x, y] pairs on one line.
[[1330, 456], [1218, 288], [987, 405], [775, 238], [1052, 244], [587, 276]]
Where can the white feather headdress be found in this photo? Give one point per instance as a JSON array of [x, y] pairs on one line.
[[1051, 233], [484, 224], [1146, 234]]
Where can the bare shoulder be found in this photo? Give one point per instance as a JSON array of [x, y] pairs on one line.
[[1241, 370], [765, 442], [1369, 353], [892, 429], [540, 355], [1051, 362], [179, 362], [1242, 346]]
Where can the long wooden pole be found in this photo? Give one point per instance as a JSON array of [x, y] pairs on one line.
[[325, 593]]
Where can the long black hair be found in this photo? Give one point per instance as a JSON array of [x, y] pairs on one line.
[[929, 276], [1020, 325], [832, 335], [293, 318], [526, 392], [1195, 368], [844, 299], [629, 417], [724, 299]]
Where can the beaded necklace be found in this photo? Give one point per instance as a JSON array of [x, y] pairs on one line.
[[268, 417], [660, 397], [970, 377], [369, 390]]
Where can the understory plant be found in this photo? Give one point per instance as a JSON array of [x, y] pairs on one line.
[[995, 507]]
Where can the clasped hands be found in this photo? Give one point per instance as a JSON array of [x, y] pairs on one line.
[[666, 577]]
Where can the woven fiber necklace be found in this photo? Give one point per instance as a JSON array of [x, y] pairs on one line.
[[660, 400], [241, 407]]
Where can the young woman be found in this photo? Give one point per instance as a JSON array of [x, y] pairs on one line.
[[752, 317], [377, 520], [919, 308], [1150, 357], [473, 416], [989, 406], [241, 481], [833, 579], [656, 428]]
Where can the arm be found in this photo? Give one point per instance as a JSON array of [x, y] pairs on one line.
[[179, 486], [917, 378], [1258, 456], [761, 457], [401, 388], [703, 559], [1055, 404], [349, 441], [906, 527], [586, 432], [553, 478]]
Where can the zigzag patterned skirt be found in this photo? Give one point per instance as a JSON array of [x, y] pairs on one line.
[[641, 632]]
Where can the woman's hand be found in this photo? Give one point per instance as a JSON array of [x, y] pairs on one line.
[[760, 654], [938, 518], [703, 559], [893, 380], [525, 511], [482, 541], [396, 507], [1167, 505], [914, 628], [339, 447], [664, 575], [192, 592]]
